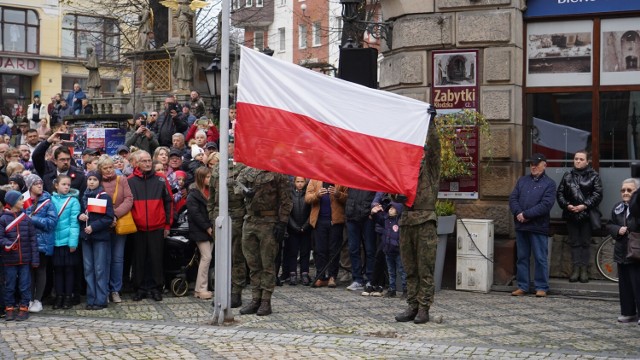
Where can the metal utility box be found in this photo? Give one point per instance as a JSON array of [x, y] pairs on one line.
[[474, 263]]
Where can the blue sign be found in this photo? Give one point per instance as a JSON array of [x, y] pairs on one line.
[[536, 8]]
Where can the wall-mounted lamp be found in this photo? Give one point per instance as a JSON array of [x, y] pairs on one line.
[[303, 7]]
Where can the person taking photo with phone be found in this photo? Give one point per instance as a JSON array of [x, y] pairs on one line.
[[141, 136]]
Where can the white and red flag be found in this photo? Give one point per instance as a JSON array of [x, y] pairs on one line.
[[95, 205], [300, 122]]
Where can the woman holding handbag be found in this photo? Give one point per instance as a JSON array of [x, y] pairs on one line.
[[118, 189], [625, 220]]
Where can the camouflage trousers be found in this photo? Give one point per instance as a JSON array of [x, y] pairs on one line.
[[238, 263], [418, 254], [260, 248]]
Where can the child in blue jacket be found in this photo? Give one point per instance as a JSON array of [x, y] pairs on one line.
[[391, 244], [18, 240]]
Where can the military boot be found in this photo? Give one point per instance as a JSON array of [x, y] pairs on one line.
[[252, 308], [584, 274], [575, 274], [407, 315], [236, 300], [265, 308], [422, 317]]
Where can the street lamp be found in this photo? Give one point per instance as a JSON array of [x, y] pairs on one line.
[[213, 74]]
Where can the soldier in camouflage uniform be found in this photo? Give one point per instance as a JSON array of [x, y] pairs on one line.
[[418, 236], [236, 212], [267, 198]]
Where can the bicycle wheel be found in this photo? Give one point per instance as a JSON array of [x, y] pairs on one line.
[[604, 259]]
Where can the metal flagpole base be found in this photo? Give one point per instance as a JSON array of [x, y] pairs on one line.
[[222, 298]]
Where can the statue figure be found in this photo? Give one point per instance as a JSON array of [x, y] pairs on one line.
[[184, 18], [182, 65], [93, 82], [145, 27]]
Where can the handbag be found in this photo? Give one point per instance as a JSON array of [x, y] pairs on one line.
[[125, 224], [595, 218], [633, 247]]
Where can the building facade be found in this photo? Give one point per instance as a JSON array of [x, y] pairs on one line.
[[43, 48], [552, 76]]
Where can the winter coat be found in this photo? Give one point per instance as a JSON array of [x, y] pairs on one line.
[[391, 231], [48, 171], [579, 187], [213, 135], [534, 197], [166, 126], [26, 247], [100, 223], [337, 202], [77, 96], [141, 141], [613, 226], [44, 221], [299, 217], [358, 204], [199, 221], [42, 114], [377, 199], [124, 199], [68, 228], [152, 201]]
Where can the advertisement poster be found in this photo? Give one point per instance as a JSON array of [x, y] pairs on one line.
[[560, 53], [112, 139], [620, 52], [455, 88], [454, 80], [95, 139]]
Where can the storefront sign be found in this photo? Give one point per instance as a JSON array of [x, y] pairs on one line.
[[536, 8], [455, 88], [12, 65]]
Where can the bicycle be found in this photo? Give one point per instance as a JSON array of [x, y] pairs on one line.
[[604, 259]]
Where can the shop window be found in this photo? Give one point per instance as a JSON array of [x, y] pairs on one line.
[[19, 30], [80, 32], [619, 128], [560, 125]]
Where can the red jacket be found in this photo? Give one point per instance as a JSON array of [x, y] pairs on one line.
[[213, 135], [152, 201]]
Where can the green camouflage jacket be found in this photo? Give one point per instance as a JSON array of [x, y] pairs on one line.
[[272, 200]]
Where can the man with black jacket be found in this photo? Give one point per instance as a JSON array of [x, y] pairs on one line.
[[169, 122], [360, 228], [151, 211], [62, 164]]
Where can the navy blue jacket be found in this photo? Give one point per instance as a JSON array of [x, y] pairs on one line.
[[45, 222], [534, 197], [391, 232], [100, 223], [26, 248]]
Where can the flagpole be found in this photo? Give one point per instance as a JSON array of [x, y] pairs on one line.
[[222, 299]]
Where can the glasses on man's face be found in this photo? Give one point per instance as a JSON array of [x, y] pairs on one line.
[[64, 159], [153, 115], [626, 190]]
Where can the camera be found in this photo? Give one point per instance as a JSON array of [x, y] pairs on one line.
[[385, 202]]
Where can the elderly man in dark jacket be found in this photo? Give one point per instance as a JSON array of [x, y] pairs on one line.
[[530, 203]]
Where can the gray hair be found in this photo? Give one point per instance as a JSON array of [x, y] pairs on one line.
[[103, 160], [178, 135], [633, 181]]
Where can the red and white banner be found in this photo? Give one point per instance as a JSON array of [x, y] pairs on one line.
[[554, 140], [98, 206], [299, 122]]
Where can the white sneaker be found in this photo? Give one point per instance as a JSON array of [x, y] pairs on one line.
[[626, 319], [355, 286], [35, 306]]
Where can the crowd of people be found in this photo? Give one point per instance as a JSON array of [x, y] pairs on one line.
[[63, 218]]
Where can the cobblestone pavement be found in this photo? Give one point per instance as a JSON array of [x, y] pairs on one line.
[[330, 323]]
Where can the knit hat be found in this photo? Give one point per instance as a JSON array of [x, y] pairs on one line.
[[94, 174], [31, 180], [195, 151], [180, 173], [12, 197], [18, 179]]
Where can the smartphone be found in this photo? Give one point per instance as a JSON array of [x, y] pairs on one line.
[[143, 123], [65, 137], [326, 185]]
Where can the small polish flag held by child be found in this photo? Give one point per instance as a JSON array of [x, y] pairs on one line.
[[98, 206]]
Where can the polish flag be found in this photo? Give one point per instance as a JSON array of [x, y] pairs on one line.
[[556, 140], [300, 122], [98, 206]]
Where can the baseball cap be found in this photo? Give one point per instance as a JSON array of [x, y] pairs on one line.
[[89, 151], [211, 145], [122, 148], [536, 158], [175, 152]]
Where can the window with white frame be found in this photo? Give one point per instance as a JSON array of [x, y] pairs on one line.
[[258, 40], [282, 38], [249, 3], [259, 3], [317, 33], [302, 36], [80, 32]]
